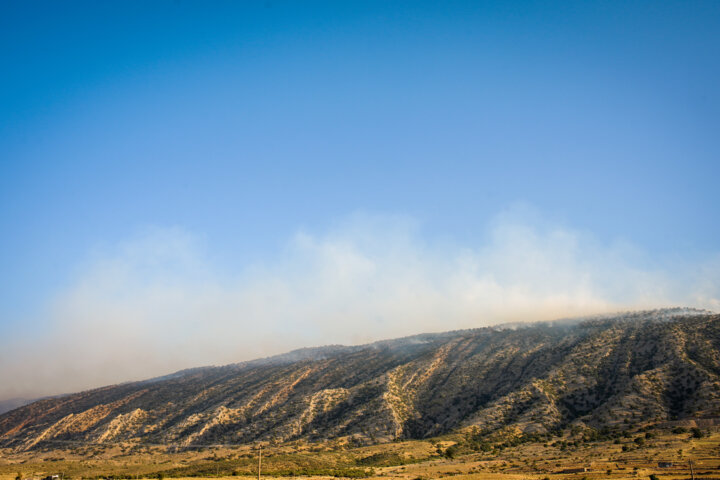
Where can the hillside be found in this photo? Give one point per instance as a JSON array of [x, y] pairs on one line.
[[611, 371]]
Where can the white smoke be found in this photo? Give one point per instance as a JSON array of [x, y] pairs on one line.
[[156, 304]]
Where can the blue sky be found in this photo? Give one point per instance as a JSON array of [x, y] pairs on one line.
[[242, 128]]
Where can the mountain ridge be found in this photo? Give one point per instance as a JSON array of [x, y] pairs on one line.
[[611, 370]]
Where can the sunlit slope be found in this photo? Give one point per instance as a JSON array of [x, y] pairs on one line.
[[659, 365]]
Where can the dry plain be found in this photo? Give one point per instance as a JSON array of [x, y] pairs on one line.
[[635, 453]]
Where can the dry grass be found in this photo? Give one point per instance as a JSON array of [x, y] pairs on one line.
[[409, 460]]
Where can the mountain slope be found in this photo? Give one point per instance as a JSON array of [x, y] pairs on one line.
[[646, 366]]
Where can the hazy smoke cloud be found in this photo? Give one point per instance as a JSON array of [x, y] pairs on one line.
[[155, 304]]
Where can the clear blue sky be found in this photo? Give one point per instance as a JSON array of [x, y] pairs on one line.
[[246, 121]]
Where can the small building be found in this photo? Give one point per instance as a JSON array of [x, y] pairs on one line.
[[665, 464]]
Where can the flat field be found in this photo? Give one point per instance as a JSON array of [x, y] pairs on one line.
[[623, 455]]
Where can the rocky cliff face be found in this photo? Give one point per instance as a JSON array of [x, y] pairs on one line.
[[646, 366]]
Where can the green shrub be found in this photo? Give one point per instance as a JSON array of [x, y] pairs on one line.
[[381, 459], [451, 451]]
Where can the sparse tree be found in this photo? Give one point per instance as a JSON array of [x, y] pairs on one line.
[[451, 451]]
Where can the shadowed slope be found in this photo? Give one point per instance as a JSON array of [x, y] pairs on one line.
[[630, 368]]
